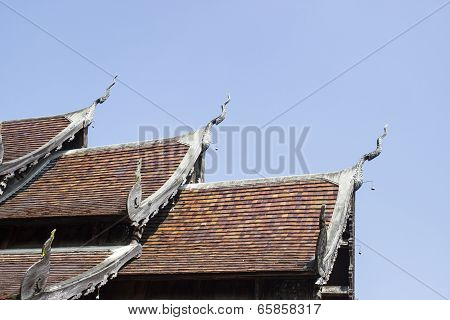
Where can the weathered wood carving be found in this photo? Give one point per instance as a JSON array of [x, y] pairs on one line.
[[368, 157], [135, 194], [141, 210], [321, 243], [87, 282], [216, 121], [34, 285], [78, 120], [35, 278], [106, 94]]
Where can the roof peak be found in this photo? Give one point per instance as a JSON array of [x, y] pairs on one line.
[[358, 177], [44, 117], [97, 101]]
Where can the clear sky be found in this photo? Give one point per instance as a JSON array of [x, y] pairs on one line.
[[185, 56]]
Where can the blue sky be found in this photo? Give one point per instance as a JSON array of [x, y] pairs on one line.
[[186, 56]]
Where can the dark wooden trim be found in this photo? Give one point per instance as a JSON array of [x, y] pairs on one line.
[[209, 276], [40, 221]]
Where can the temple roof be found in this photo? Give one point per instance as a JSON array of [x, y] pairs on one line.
[[21, 137], [284, 224], [65, 265], [92, 181], [264, 225], [26, 141], [133, 180], [244, 226]]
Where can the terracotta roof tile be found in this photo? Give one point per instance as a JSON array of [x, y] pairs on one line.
[[94, 181], [266, 227], [21, 137], [63, 266], [261, 227]]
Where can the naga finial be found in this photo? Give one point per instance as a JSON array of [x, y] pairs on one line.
[[137, 173], [35, 278], [321, 243], [222, 115], [135, 195], [368, 157], [215, 121], [107, 92], [48, 244]]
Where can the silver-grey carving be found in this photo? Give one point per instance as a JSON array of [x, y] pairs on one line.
[[78, 120], [34, 284], [349, 181], [35, 279], [107, 92], [135, 194], [216, 121], [368, 157], [139, 212], [328, 243], [139, 215], [321, 243], [87, 282], [198, 142]]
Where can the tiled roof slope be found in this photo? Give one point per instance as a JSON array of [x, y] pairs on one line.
[[255, 227], [24, 143], [265, 226], [94, 181], [21, 137], [63, 266]]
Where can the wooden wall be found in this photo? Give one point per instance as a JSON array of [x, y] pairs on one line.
[[70, 232], [257, 288]]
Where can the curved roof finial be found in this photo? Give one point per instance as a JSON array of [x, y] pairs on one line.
[[106, 94], [215, 121], [321, 244], [368, 157], [135, 195], [222, 115], [35, 278]]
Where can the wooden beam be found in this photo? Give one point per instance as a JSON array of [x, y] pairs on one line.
[[334, 291]]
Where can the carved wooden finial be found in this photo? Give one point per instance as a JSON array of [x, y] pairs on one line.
[[46, 248], [35, 278], [106, 94], [322, 222], [321, 245], [217, 120], [358, 178], [137, 173], [135, 195], [222, 115]]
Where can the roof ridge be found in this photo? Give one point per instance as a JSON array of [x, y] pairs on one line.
[[67, 115], [63, 115], [126, 145], [329, 176], [60, 250]]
